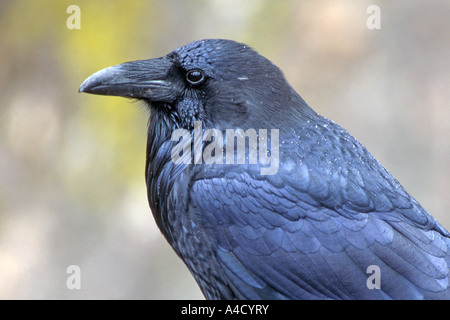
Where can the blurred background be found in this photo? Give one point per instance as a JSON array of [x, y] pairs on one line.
[[72, 188]]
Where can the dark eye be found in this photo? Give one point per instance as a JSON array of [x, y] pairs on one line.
[[195, 77]]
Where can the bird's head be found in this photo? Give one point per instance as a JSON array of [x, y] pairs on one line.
[[222, 83]]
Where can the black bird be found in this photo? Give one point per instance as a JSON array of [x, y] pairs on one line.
[[327, 221]]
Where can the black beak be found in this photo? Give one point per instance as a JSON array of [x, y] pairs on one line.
[[141, 79]]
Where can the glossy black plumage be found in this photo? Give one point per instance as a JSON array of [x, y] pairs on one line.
[[309, 231]]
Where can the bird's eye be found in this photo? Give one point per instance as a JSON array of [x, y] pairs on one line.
[[195, 77]]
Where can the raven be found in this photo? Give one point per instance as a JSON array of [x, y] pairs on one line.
[[328, 221]]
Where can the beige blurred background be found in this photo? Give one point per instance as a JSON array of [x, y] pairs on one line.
[[72, 188]]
